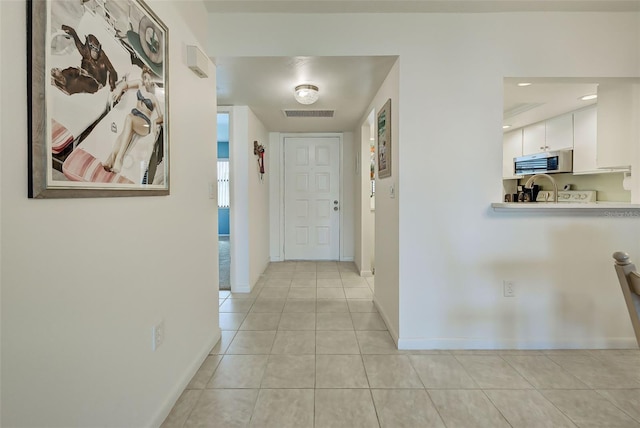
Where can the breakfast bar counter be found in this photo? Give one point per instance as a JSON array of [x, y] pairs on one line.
[[603, 209]]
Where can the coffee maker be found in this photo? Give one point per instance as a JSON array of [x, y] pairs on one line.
[[526, 194]]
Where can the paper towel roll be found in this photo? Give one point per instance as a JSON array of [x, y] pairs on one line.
[[626, 182]]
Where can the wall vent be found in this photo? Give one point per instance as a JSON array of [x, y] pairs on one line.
[[308, 113]]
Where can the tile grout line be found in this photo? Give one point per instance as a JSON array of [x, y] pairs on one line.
[[375, 408], [559, 409], [435, 407], [615, 405], [597, 357], [190, 411], [496, 407], [516, 370]]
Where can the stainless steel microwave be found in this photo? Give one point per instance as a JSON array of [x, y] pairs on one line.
[[546, 162]]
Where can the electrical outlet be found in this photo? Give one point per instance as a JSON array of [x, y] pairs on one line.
[[157, 335], [508, 288]]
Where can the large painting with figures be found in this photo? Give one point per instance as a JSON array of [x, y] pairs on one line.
[[98, 99]]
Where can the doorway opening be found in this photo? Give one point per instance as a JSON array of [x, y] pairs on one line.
[[224, 203], [367, 195]]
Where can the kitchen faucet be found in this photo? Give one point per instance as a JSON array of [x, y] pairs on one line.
[[529, 184]]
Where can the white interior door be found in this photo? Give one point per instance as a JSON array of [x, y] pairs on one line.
[[311, 202]]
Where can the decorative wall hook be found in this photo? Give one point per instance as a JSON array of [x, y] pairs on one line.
[[258, 150]]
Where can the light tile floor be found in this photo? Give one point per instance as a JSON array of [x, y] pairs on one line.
[[307, 348]]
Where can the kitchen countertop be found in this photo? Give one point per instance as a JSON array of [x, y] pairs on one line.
[[604, 209]]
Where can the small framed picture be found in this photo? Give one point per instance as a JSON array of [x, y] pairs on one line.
[[384, 140]]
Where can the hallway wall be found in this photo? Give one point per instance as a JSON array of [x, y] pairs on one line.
[[453, 250], [387, 290], [258, 200], [250, 200], [364, 219], [85, 280]]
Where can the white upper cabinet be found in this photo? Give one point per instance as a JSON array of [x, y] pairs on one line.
[[559, 133], [584, 140], [617, 119], [552, 134], [534, 140], [586, 146], [511, 148]]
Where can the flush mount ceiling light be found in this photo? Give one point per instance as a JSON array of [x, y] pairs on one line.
[[306, 94], [588, 97], [525, 84], [506, 126]]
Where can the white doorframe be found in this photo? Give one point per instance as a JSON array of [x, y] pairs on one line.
[[366, 262], [281, 184], [227, 110], [238, 195]]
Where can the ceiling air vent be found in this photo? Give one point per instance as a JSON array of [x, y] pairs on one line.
[[519, 109], [308, 113]]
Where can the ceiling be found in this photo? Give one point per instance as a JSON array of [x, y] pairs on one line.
[[346, 85], [417, 6], [548, 97], [545, 98]]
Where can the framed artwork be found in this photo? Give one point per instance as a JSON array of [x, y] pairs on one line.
[[384, 140], [98, 99]]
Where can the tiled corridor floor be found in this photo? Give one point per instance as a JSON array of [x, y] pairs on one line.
[[307, 349]]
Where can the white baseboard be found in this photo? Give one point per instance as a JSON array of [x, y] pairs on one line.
[[366, 273], [280, 259], [385, 318], [182, 383], [241, 288], [469, 343], [265, 265]]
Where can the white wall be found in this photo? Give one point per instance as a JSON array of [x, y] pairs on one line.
[[364, 218], [276, 238], [249, 220], [239, 198], [357, 224], [1, 238], [368, 215], [348, 198], [454, 251], [84, 280], [386, 292], [258, 200]]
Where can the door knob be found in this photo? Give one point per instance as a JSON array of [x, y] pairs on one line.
[[335, 202], [335, 208]]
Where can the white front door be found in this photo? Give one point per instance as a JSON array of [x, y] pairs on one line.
[[311, 203]]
